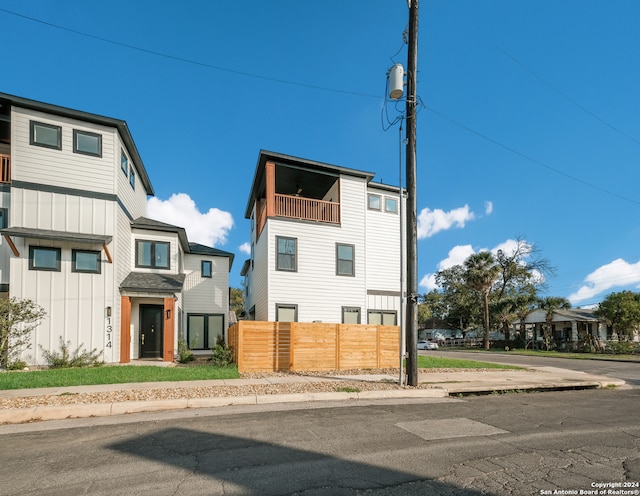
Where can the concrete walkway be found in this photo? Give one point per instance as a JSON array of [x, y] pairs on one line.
[[432, 384]]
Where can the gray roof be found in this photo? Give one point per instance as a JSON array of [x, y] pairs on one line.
[[156, 225], [120, 125], [153, 282], [198, 249], [26, 232]]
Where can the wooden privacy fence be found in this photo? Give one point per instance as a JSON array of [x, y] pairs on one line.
[[269, 346]]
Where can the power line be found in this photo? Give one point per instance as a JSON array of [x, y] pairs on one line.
[[531, 159], [190, 61]]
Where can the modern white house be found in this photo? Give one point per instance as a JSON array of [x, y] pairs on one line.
[[75, 240], [325, 244]]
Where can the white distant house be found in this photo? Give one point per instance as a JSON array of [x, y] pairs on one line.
[[325, 244], [567, 325], [76, 241]]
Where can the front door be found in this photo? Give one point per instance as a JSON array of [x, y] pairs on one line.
[[151, 331]]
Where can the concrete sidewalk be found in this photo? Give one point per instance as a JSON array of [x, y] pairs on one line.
[[432, 385]]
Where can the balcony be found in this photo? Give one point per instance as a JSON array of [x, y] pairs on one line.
[[300, 208], [5, 169], [297, 207]]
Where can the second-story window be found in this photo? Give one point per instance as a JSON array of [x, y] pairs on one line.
[[374, 202], [124, 163], [132, 178], [390, 205], [345, 260], [206, 268], [46, 135], [152, 254], [85, 261], [287, 249], [87, 143]]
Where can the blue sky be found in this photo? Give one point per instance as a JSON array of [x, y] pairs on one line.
[[529, 127]]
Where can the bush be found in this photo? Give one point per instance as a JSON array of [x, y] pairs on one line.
[[17, 319], [185, 355], [65, 359], [222, 354], [17, 365], [621, 348]]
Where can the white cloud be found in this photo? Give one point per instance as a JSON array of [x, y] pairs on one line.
[[431, 222], [488, 207], [456, 256], [245, 248], [617, 273], [208, 229]]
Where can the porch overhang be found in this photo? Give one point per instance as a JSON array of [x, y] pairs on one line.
[[73, 237], [150, 284]]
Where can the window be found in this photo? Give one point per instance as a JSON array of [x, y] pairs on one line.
[[4, 217], [204, 330], [286, 313], [124, 163], [132, 178], [374, 202], [85, 261], [382, 317], [41, 258], [344, 260], [287, 250], [350, 315], [153, 254], [87, 143], [206, 268], [390, 205], [46, 135]]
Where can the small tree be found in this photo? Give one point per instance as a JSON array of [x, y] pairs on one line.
[[481, 273], [550, 304], [622, 312], [17, 319]]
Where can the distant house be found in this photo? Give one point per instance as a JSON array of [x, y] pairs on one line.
[[325, 244], [76, 241], [567, 325]]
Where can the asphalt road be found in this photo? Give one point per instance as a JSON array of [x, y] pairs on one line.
[[512, 444], [627, 371]]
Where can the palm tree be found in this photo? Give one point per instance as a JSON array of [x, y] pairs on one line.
[[524, 303], [481, 273], [550, 304]]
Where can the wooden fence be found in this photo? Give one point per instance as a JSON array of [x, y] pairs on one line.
[[269, 346]]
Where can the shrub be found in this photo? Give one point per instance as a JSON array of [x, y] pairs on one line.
[[17, 365], [222, 354], [621, 348], [65, 359], [17, 319], [185, 355]]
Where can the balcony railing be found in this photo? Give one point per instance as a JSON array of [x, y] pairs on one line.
[[297, 207], [5, 169]]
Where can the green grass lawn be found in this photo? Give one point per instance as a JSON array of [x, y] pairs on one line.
[[120, 374], [554, 354], [111, 375], [431, 362]]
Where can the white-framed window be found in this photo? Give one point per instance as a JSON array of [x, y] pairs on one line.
[[286, 254], [382, 317], [47, 135], [152, 254], [44, 258], [87, 143], [390, 204], [374, 202], [345, 260], [85, 261]]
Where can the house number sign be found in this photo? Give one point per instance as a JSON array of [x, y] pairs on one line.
[[109, 329]]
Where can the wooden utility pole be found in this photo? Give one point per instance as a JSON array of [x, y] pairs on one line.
[[412, 209]]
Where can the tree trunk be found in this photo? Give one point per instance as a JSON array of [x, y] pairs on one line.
[[486, 321]]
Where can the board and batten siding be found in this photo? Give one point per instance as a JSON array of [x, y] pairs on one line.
[[61, 168], [75, 303], [315, 288]]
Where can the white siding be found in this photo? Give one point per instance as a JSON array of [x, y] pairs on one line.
[[134, 200], [206, 294], [315, 288], [165, 237], [63, 168]]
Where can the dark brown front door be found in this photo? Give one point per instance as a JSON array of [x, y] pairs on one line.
[[151, 331]]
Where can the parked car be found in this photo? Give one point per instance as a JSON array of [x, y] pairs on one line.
[[427, 345]]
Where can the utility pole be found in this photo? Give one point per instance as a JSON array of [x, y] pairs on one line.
[[412, 209]]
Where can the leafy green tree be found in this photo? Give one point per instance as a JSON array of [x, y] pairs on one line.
[[550, 304], [17, 319], [621, 311], [458, 306], [236, 300], [524, 303], [481, 273]]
